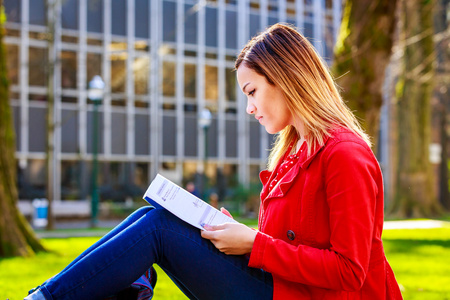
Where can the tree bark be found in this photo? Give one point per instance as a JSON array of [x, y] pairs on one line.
[[415, 195], [362, 52], [16, 236]]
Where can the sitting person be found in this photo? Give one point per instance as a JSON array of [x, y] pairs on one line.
[[321, 213]]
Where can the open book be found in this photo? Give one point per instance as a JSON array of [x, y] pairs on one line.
[[183, 204]]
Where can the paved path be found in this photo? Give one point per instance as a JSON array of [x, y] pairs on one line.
[[415, 224]]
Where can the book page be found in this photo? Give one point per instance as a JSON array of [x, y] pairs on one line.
[[183, 204]]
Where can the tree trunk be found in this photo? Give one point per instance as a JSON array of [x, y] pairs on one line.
[[415, 195], [363, 50], [50, 145], [16, 236]]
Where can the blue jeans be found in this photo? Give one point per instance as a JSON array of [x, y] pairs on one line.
[[155, 236]]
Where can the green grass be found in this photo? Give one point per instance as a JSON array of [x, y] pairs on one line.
[[420, 259], [18, 275]]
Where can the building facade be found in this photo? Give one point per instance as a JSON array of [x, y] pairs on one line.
[[163, 62]]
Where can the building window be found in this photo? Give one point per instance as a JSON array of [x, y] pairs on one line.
[[12, 63], [190, 80], [69, 131], [119, 133], [211, 88], [95, 16], [190, 24], [211, 27], [168, 80], [69, 18], [231, 30], [169, 23], [119, 17], [13, 9], [141, 19], [93, 66], [38, 12], [141, 69], [230, 85], [68, 70], [118, 72], [37, 66], [37, 129]]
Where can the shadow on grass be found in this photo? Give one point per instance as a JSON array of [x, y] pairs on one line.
[[411, 245]]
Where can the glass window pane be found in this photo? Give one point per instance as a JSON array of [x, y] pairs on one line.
[[168, 80], [230, 84], [254, 24], [17, 126], [190, 82], [169, 17], [141, 134], [231, 138], [231, 30], [190, 131], [190, 24], [211, 27], [95, 16], [13, 10], [118, 72], [169, 134], [141, 18], [68, 70], [37, 129], [119, 17], [309, 30], [272, 21], [37, 73], [254, 139], [90, 130], [69, 19], [38, 12], [211, 88], [93, 66], [141, 69], [119, 130], [12, 63], [212, 139], [69, 131]]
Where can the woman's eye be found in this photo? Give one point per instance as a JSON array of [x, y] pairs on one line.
[[251, 92]]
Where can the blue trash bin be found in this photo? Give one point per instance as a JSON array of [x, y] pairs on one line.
[[40, 212]]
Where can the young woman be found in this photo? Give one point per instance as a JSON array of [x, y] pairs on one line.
[[321, 215]]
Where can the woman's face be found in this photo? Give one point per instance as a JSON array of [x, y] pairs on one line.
[[264, 100]]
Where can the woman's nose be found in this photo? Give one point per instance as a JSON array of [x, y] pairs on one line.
[[250, 108]]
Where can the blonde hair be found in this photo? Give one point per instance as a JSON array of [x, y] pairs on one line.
[[288, 60]]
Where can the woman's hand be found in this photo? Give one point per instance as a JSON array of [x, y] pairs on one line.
[[231, 238], [226, 212]]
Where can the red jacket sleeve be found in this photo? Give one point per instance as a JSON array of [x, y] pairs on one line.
[[351, 177]]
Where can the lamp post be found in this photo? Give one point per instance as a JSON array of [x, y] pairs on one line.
[[205, 122], [95, 94]]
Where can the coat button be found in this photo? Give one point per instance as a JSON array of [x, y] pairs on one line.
[[291, 235]]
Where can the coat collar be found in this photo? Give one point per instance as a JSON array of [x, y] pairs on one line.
[[281, 189]]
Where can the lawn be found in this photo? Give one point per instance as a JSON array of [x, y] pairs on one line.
[[420, 259]]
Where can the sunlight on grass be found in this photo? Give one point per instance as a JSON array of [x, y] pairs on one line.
[[420, 260], [18, 275], [419, 257]]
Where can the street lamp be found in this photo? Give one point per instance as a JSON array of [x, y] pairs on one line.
[[204, 122], [95, 94]]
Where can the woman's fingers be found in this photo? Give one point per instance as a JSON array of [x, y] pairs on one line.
[[226, 212]]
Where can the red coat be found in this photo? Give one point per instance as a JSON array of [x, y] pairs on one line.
[[320, 228]]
